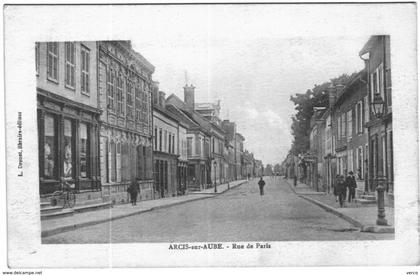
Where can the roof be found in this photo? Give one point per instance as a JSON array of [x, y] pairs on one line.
[[191, 114], [348, 89], [183, 120], [369, 44], [165, 113]]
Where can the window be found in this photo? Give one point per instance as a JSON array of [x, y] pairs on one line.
[[69, 64], [140, 162], [359, 116], [120, 96], [138, 103], [170, 144], [165, 144], [366, 118], [156, 134], [339, 127], [84, 150], [343, 125], [360, 166], [349, 124], [50, 149], [113, 162], [173, 144], [129, 99], [111, 89], [160, 140], [189, 147], [377, 82], [52, 61], [68, 149], [85, 63], [37, 58]]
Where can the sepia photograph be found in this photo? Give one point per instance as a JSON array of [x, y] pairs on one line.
[[212, 133]]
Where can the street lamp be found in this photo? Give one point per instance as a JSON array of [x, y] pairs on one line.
[[378, 105], [215, 183], [378, 110]]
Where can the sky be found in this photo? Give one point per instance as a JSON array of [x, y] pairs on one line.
[[239, 57]]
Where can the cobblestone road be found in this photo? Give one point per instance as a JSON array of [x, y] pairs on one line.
[[240, 214]]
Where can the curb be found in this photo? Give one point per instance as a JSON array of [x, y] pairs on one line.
[[50, 232], [333, 211], [363, 228], [66, 228]]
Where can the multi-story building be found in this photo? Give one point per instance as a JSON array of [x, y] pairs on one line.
[[230, 143], [350, 135], [198, 139], [316, 150], [239, 150], [124, 96], [165, 146], [68, 116], [211, 112], [377, 56]]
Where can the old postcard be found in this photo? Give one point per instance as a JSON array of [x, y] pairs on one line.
[[211, 135]]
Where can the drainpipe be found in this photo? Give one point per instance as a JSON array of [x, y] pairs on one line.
[[368, 154]]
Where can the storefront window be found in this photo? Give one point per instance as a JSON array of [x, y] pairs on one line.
[[84, 150], [67, 160], [49, 147]]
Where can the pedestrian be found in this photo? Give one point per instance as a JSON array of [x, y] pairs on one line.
[[261, 184], [133, 190], [295, 180], [351, 185], [341, 189]]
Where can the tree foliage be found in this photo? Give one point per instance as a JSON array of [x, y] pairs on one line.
[[304, 104]]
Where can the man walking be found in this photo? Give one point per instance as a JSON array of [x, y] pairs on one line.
[[351, 184], [133, 190], [261, 184]]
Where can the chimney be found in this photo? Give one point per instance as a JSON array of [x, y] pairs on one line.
[[340, 90], [155, 93], [332, 96], [189, 96], [162, 99]]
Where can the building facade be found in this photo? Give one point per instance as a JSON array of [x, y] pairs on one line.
[[68, 116], [377, 56], [239, 150], [198, 140], [165, 147], [349, 112], [124, 89]]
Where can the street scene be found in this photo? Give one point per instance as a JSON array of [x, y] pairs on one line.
[[128, 154], [241, 214]]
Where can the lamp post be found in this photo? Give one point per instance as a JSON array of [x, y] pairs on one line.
[[215, 183], [378, 110], [381, 180]]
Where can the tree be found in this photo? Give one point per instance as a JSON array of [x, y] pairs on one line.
[[304, 104]]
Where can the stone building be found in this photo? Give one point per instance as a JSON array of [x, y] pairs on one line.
[[124, 89], [198, 140], [165, 150], [350, 136], [68, 116], [316, 150], [239, 150], [211, 112], [377, 56], [229, 128]]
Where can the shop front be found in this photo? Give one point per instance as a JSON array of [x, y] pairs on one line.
[[68, 144]]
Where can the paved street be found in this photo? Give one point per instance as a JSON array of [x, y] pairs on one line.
[[240, 214]]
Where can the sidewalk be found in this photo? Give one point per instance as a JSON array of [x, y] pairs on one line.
[[220, 188], [78, 220], [359, 215]]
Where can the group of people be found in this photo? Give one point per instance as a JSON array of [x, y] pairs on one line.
[[341, 185]]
